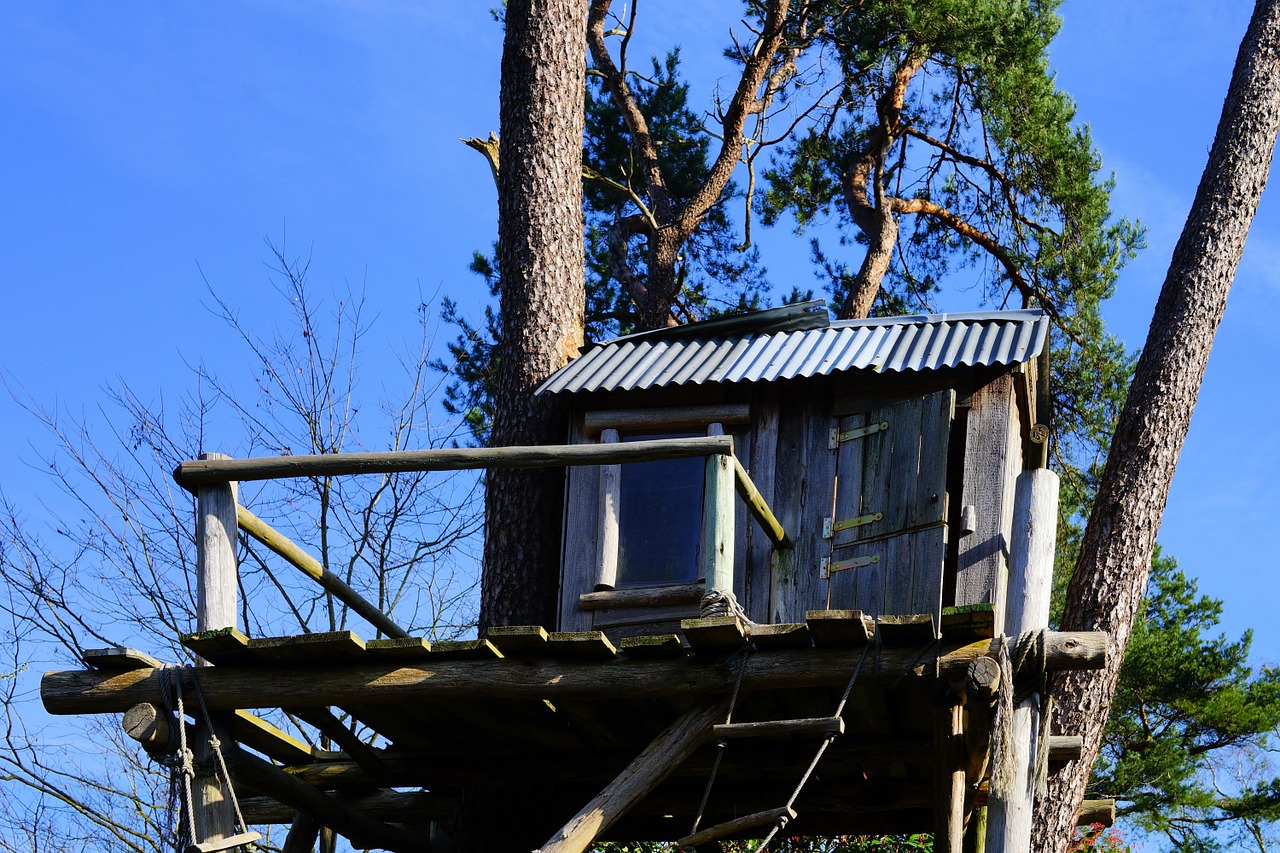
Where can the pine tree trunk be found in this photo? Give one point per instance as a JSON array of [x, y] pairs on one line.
[[541, 263], [1111, 573]]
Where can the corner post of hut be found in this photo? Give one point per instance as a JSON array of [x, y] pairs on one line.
[[216, 584], [1035, 517]]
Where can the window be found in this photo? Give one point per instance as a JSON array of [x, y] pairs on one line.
[[659, 518]]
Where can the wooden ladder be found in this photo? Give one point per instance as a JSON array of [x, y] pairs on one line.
[[810, 727]]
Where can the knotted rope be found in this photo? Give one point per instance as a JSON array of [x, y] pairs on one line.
[[1023, 665], [180, 758]]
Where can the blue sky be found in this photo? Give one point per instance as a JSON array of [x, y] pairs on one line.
[[149, 148]]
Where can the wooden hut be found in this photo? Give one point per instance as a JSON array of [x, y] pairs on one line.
[[887, 449], [895, 524]]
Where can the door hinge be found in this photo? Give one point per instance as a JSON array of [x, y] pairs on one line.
[[836, 436], [826, 568], [831, 527]]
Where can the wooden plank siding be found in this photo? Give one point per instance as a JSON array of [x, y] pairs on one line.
[[803, 489], [992, 460], [901, 472]]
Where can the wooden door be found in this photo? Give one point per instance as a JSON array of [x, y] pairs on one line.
[[888, 535]]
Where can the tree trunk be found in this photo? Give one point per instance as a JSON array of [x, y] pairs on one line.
[[1106, 589], [542, 304], [541, 263]]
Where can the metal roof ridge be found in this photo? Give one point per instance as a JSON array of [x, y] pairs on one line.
[[1009, 315]]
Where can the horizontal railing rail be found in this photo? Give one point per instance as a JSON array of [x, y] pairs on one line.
[[204, 472], [725, 476]]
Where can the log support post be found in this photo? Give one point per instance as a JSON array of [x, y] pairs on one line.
[[949, 787], [1035, 518], [216, 581], [717, 520]]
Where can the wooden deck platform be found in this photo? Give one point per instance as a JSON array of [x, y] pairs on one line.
[[559, 746]]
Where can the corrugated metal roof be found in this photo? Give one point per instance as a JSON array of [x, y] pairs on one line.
[[916, 343]]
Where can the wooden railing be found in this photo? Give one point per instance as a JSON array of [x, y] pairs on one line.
[[213, 476]]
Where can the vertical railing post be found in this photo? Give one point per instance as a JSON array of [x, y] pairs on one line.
[[216, 582], [610, 496], [717, 520], [1035, 523]]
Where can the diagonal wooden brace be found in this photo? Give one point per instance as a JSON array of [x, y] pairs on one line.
[[667, 751]]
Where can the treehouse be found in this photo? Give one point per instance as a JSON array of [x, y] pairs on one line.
[[805, 576]]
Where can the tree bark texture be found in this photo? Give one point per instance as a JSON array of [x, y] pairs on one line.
[[1111, 574], [540, 259]]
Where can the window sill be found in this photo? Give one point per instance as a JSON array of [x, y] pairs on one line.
[[645, 596]]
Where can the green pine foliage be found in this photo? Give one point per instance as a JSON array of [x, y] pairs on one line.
[[1186, 747], [717, 275]]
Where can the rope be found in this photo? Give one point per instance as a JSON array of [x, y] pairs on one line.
[[1022, 664], [718, 602], [216, 745], [782, 820], [181, 759], [722, 744]]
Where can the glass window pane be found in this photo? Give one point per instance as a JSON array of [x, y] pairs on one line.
[[659, 520]]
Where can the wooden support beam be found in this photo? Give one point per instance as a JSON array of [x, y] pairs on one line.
[[979, 690], [714, 635], [839, 628], [915, 629], [949, 781], [119, 659], [653, 646], [150, 727], [737, 825], [361, 830], [811, 727], [463, 650], [302, 834], [1065, 747], [665, 419], [454, 767], [768, 638], [1097, 812], [360, 752], [676, 743], [396, 806], [586, 645], [208, 469], [758, 507], [371, 682], [518, 639], [310, 566], [256, 733]]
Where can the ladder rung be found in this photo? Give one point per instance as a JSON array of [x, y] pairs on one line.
[[814, 726], [736, 825], [231, 842]]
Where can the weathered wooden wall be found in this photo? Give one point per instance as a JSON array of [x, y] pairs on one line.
[[900, 472]]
